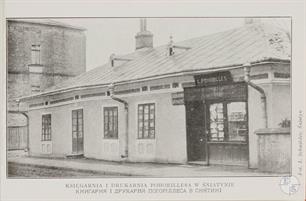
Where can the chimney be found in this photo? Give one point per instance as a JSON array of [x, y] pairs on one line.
[[144, 38]]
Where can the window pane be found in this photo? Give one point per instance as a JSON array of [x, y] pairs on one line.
[[152, 123], [146, 133], [146, 109], [80, 127], [152, 134], [74, 134], [80, 134], [216, 122], [80, 114], [237, 121]]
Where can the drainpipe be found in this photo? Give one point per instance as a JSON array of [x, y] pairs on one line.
[[247, 69], [28, 123], [126, 111]]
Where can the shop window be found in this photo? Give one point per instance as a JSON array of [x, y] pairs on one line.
[[46, 127], [237, 121], [35, 54], [146, 121], [216, 122], [111, 122], [228, 121]]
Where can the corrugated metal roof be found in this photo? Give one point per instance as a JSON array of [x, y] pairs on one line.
[[249, 43]]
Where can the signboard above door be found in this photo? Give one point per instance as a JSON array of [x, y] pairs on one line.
[[216, 78]]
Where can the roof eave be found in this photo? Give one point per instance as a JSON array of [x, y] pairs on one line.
[[186, 72]]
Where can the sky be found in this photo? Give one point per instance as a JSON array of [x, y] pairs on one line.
[[105, 36]]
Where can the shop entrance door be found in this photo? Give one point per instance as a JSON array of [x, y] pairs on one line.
[[196, 135], [77, 132]]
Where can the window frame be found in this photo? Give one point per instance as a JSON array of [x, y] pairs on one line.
[[226, 121], [36, 54], [111, 108], [46, 128], [142, 136]]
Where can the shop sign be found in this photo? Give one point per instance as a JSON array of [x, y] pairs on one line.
[[237, 90], [216, 78], [177, 98], [234, 90]]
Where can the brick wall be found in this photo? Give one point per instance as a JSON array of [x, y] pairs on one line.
[[62, 50]]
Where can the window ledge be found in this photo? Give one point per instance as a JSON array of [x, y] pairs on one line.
[[146, 138], [110, 139]]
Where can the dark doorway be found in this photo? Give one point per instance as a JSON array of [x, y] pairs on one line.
[[77, 132], [196, 136]]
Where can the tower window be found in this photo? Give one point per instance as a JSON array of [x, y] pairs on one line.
[[35, 54]]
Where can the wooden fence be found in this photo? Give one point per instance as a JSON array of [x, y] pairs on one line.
[[17, 137]]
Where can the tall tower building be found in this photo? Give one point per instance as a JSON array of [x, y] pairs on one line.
[[40, 53]]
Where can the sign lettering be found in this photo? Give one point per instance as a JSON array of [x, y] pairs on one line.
[[213, 78]]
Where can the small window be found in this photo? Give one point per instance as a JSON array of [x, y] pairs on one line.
[[175, 85], [111, 122], [46, 127], [35, 54], [144, 88], [146, 121], [35, 88]]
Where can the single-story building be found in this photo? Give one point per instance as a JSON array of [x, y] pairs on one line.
[[196, 101]]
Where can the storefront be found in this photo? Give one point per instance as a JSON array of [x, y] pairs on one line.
[[217, 120], [137, 110]]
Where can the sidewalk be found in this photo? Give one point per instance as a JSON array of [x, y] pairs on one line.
[[136, 169]]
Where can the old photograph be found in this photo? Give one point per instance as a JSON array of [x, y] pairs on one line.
[[149, 97]]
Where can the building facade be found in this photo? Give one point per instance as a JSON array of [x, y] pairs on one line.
[[198, 101], [40, 54]]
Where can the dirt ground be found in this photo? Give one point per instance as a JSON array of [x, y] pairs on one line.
[[28, 171]]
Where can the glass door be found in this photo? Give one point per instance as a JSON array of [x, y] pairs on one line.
[[77, 131]]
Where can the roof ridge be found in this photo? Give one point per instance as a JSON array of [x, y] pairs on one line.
[[230, 47], [47, 22]]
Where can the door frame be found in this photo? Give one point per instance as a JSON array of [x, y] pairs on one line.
[[205, 162], [77, 152]]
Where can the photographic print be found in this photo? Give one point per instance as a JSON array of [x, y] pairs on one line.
[[213, 102], [153, 101]]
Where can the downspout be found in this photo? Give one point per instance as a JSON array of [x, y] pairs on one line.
[[28, 123], [126, 111], [247, 69]]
